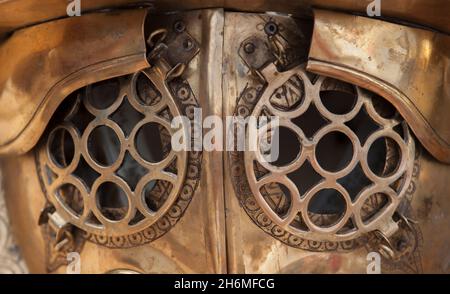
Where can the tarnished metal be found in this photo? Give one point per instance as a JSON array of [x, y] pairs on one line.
[[297, 215], [196, 245], [160, 172], [42, 65], [249, 249], [351, 179], [431, 13], [410, 67]]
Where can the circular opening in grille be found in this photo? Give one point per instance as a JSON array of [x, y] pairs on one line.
[[334, 151], [71, 197], [289, 147], [383, 107], [326, 207], [102, 95], [338, 97], [149, 143], [384, 157], [112, 201], [124, 178], [61, 147], [103, 145], [337, 166]]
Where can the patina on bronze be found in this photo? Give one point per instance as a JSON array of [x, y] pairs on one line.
[[410, 67], [87, 166], [43, 64]]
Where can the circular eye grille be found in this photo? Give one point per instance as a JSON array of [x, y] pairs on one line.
[[108, 167], [345, 162]]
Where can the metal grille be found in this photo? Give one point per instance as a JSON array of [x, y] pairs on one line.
[[108, 168], [346, 160]]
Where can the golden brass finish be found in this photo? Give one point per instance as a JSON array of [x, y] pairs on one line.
[[409, 67], [193, 245], [249, 248], [264, 183], [169, 184], [229, 63], [432, 13], [42, 65]]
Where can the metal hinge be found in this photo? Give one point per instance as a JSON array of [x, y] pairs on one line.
[[393, 243]]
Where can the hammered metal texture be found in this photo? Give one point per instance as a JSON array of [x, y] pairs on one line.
[[289, 95], [145, 196]]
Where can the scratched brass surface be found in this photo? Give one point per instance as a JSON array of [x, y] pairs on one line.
[[431, 13], [41, 65], [216, 234], [197, 242], [409, 67], [250, 251], [249, 248]]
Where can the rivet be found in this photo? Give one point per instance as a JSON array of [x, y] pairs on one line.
[[249, 48], [271, 28], [179, 26]]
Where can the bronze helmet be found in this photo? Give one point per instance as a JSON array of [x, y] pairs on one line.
[[87, 101]]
